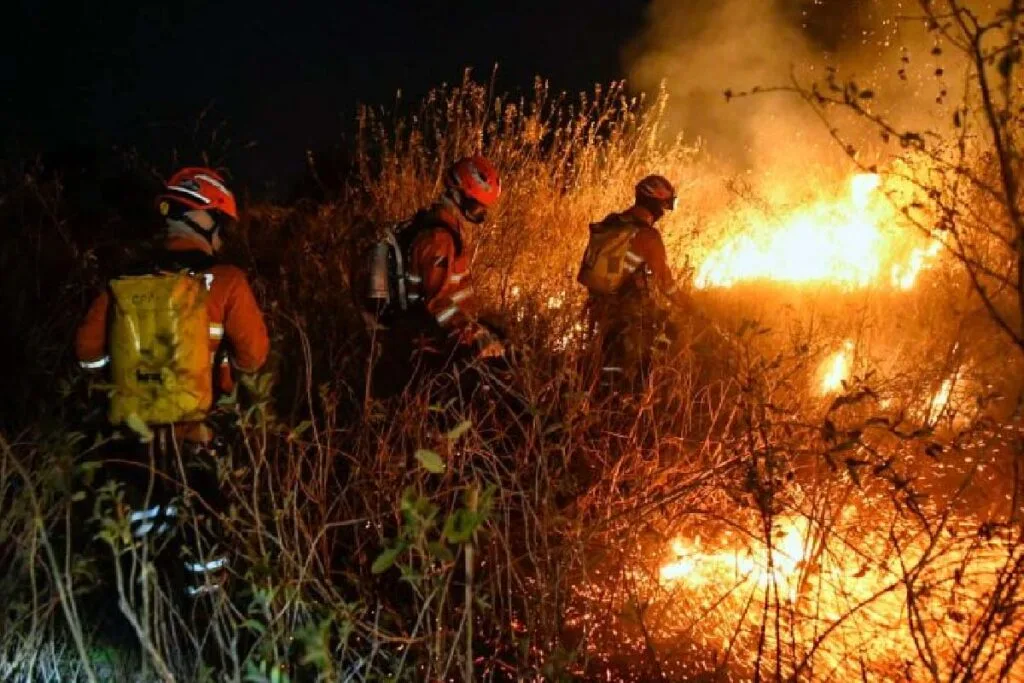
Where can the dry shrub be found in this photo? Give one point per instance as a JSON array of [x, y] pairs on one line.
[[522, 533]]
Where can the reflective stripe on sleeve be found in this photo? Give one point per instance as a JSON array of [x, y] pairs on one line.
[[414, 279], [461, 295], [633, 261], [447, 314], [94, 364], [456, 278], [216, 331]]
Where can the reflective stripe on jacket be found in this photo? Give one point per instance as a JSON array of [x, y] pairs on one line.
[[441, 274]]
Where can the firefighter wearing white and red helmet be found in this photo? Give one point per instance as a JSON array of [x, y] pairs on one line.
[[171, 332], [624, 269], [439, 309]]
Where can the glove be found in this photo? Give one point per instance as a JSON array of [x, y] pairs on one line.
[[487, 344]]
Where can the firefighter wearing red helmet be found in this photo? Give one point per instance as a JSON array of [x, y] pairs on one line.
[[624, 267], [171, 331], [430, 302]]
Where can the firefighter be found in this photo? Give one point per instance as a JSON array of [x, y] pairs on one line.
[[432, 319], [625, 270], [172, 332]]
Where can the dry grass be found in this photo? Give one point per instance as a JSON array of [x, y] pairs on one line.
[[537, 555]]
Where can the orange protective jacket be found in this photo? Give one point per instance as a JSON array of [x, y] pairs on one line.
[[439, 265], [236, 323]]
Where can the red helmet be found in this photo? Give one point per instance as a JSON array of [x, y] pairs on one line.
[[198, 188], [474, 178], [657, 190]]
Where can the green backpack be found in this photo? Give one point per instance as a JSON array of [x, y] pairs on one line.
[[608, 261]]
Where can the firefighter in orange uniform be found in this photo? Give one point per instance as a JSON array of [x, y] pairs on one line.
[[197, 207], [437, 312], [625, 270]]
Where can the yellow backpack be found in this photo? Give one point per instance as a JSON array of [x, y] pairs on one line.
[[159, 348], [607, 262]]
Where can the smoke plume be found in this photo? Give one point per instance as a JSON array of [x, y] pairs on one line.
[[700, 48]]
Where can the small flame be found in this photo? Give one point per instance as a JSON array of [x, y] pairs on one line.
[[904, 276], [940, 399], [836, 369], [696, 566]]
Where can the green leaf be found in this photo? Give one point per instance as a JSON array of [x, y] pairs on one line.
[[143, 431], [277, 676], [459, 430], [254, 673], [430, 461], [460, 525], [254, 626], [299, 429], [385, 560], [440, 551]]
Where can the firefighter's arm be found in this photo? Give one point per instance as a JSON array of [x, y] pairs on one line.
[[244, 327], [444, 294], [433, 253], [449, 295], [652, 250], [91, 336]]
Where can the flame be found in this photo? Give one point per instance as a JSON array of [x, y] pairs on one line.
[[941, 398], [841, 576], [836, 369], [837, 241], [904, 276], [764, 567]]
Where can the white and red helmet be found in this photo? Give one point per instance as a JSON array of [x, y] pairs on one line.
[[656, 190], [197, 188], [474, 184]]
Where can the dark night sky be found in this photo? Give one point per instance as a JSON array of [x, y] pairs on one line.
[[286, 74]]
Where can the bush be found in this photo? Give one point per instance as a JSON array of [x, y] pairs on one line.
[[725, 519]]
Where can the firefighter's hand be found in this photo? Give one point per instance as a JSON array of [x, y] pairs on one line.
[[487, 343]]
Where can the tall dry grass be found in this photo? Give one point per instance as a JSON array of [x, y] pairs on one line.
[[519, 534]]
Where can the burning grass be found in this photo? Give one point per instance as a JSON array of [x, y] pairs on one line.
[[828, 490]]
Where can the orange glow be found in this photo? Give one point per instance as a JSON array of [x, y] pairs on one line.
[[841, 241], [904, 276], [836, 369], [847, 575]]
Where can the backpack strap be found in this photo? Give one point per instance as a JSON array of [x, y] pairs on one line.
[[165, 260], [424, 220], [193, 260]]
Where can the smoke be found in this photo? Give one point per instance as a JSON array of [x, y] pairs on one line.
[[700, 48]]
